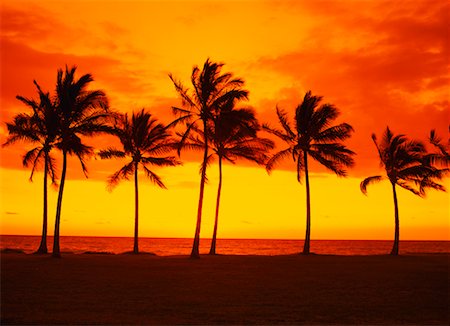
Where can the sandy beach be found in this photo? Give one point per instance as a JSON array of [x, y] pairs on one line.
[[144, 289]]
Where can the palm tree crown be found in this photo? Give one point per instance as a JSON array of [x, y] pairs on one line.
[[313, 135], [40, 127], [82, 112], [403, 161], [144, 140]]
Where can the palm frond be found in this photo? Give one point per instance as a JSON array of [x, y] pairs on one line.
[[31, 156], [111, 153], [408, 187], [160, 161], [277, 132], [368, 181], [51, 167], [282, 118], [332, 134], [277, 157], [124, 173], [329, 162], [153, 177], [183, 92]]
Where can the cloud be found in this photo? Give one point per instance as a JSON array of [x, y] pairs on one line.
[[381, 65]]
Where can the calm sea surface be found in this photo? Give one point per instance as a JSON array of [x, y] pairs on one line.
[[168, 247]]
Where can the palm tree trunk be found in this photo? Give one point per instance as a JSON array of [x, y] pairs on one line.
[[56, 251], [397, 224], [195, 253], [308, 209], [43, 245], [212, 251], [136, 210]]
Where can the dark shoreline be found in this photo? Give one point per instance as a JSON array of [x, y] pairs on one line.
[[224, 289]]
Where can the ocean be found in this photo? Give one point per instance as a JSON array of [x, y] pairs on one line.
[[176, 246]]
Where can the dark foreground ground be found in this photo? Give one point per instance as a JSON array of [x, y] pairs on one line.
[[127, 289]]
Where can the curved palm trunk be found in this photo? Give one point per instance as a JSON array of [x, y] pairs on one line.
[[308, 209], [212, 251], [136, 211], [43, 245], [56, 251], [195, 253], [394, 250]]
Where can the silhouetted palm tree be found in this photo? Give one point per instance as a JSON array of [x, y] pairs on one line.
[[403, 160], [312, 137], [233, 135], [82, 113], [211, 90], [40, 128], [144, 140]]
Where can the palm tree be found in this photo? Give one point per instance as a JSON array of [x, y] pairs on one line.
[[403, 161], [40, 128], [82, 113], [312, 137], [233, 135], [211, 90], [144, 140]]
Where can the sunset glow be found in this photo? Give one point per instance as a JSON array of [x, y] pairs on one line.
[[380, 62]]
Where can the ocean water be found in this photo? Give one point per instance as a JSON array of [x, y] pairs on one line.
[[173, 246]]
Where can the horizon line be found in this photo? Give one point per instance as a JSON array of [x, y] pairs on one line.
[[190, 238]]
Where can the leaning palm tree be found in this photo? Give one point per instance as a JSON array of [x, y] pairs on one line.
[[40, 128], [211, 90], [312, 136], [233, 135], [82, 113], [144, 140], [405, 165]]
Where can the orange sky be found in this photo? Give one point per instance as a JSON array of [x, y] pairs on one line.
[[380, 62]]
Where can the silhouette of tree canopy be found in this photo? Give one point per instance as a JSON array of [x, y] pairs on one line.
[[41, 129], [144, 141], [210, 91], [312, 136], [404, 161], [82, 113]]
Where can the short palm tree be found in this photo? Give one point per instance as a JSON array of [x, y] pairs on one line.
[[211, 90], [233, 136], [40, 128], [312, 136], [144, 140], [82, 113], [405, 166]]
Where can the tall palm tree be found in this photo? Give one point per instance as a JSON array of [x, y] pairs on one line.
[[312, 136], [403, 161], [40, 128], [144, 140], [233, 135], [211, 89], [82, 113]]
